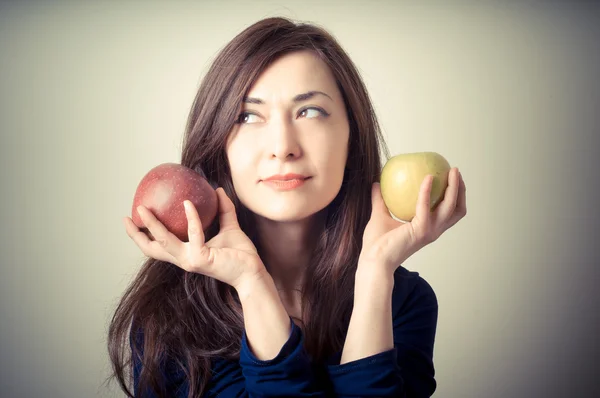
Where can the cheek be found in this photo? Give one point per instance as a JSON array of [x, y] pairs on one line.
[[240, 158], [333, 156]]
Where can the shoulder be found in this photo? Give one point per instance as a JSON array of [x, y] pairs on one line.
[[411, 292]]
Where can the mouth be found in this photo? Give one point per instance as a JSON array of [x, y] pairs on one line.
[[286, 185]]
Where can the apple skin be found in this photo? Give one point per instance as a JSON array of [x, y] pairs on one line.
[[401, 180], [163, 190]]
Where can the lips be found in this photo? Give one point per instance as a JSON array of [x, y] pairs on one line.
[[286, 177], [280, 184]]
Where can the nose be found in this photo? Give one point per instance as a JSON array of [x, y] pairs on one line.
[[283, 139]]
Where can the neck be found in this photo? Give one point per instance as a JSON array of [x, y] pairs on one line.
[[287, 248]]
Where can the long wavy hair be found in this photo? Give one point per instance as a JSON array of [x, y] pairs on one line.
[[190, 318]]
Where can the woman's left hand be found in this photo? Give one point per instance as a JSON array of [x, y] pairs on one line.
[[388, 243]]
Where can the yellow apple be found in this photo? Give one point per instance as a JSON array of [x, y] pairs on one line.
[[401, 179]]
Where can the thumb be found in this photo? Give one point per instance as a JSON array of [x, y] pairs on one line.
[[227, 215], [377, 203]]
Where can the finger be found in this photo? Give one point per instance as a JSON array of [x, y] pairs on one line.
[[448, 204], [148, 247], [165, 239], [227, 216], [195, 232], [424, 198], [461, 205]]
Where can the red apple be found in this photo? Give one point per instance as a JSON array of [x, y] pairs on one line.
[[163, 190]]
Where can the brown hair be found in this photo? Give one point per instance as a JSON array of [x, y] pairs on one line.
[[187, 318]]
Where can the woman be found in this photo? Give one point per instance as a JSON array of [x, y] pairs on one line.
[[298, 289]]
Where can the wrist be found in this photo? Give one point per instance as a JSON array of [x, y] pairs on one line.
[[374, 273], [373, 281], [266, 322], [248, 285]]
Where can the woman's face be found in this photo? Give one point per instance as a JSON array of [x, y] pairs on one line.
[[293, 120]]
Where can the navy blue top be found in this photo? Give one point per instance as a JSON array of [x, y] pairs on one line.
[[405, 371]]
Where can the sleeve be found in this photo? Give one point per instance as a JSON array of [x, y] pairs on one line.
[[289, 374], [407, 370]]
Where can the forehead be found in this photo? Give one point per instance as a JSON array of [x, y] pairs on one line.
[[294, 73]]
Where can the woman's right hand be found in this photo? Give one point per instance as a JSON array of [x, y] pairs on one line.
[[230, 256]]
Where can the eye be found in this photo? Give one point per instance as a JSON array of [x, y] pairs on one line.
[[312, 112], [247, 118]]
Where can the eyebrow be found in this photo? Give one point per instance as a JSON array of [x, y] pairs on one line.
[[298, 98]]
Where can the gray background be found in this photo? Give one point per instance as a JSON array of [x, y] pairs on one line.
[[94, 94]]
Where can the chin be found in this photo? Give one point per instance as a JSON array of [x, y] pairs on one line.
[[287, 213], [288, 209], [286, 216]]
